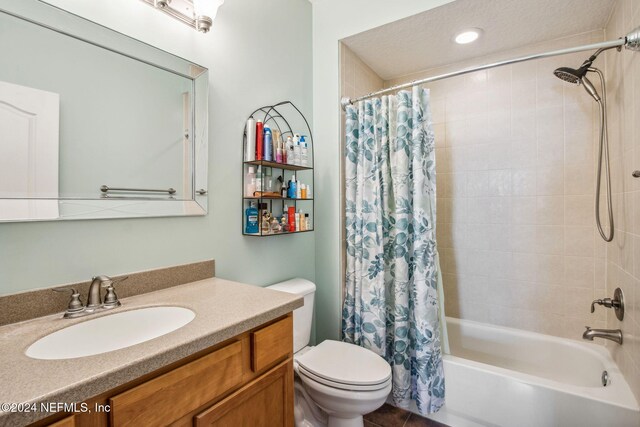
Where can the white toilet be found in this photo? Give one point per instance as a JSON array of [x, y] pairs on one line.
[[336, 382]]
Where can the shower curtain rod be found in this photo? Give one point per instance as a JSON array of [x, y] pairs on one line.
[[630, 41]]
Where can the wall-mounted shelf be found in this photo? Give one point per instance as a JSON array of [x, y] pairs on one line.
[[288, 120], [278, 165]]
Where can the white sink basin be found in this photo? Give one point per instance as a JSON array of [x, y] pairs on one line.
[[109, 333]]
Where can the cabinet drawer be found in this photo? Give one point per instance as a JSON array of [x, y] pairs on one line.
[[265, 402], [168, 397], [271, 343]]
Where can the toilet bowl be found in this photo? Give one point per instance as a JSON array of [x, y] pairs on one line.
[[336, 383]]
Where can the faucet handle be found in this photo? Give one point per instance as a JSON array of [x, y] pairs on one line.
[[593, 305], [111, 298], [75, 304]]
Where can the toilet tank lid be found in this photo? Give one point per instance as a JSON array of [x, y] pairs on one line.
[[295, 286]]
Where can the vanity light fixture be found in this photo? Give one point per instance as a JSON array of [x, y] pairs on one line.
[[198, 14], [467, 36]]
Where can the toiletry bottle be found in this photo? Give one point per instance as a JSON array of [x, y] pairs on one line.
[[296, 150], [290, 145], [298, 220], [307, 222], [268, 144], [283, 189], [304, 159], [302, 223], [284, 223], [266, 222], [259, 182], [275, 225], [268, 180], [303, 191], [251, 223], [298, 190], [259, 138], [284, 151], [275, 134], [279, 149], [250, 182], [292, 188], [250, 147], [292, 218]]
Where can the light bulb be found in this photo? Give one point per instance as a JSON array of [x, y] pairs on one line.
[[468, 36]]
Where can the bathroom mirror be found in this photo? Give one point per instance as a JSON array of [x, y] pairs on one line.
[[95, 124]]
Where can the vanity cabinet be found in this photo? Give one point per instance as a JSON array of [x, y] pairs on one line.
[[244, 381]]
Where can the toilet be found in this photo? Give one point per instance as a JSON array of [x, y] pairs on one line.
[[336, 383]]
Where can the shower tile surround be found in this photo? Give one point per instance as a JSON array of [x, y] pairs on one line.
[[623, 254], [515, 158]]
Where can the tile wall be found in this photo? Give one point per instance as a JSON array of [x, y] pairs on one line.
[[623, 254], [515, 161]]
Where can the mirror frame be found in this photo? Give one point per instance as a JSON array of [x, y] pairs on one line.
[[132, 206]]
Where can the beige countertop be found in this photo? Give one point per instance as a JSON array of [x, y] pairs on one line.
[[223, 310]]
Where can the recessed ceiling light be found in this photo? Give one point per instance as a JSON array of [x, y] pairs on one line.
[[468, 36]]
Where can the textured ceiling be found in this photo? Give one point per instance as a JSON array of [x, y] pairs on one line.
[[424, 41]]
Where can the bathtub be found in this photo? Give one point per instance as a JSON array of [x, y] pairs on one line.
[[497, 376]]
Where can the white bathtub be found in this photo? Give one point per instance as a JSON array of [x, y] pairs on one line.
[[498, 376]]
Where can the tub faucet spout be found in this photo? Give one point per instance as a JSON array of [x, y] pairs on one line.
[[614, 335]]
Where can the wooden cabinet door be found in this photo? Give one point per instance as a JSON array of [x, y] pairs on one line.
[[265, 402]]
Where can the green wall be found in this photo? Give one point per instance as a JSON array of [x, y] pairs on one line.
[[258, 53]]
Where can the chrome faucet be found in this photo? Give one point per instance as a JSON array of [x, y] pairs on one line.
[[94, 300], [614, 335]]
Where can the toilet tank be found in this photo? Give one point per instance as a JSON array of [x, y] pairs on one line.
[[302, 316]]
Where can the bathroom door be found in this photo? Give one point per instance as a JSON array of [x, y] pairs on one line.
[[29, 133]]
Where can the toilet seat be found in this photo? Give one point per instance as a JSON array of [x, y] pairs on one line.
[[344, 366], [342, 386]]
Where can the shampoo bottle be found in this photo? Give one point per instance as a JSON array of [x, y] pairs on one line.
[[250, 148], [292, 218], [275, 133], [304, 156], [268, 144], [296, 149], [290, 157], [292, 188], [298, 221], [259, 138]]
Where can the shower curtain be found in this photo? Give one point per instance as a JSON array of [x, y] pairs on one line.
[[391, 293]]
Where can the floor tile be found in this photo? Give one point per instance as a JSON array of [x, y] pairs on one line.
[[418, 421], [388, 416]]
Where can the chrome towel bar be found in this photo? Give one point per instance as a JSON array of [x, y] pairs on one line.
[[106, 189]]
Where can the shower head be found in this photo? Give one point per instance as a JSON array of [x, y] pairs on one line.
[[579, 76], [568, 75]]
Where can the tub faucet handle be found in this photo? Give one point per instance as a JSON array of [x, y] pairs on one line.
[[617, 303]]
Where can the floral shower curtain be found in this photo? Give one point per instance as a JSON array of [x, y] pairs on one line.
[[391, 296]]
